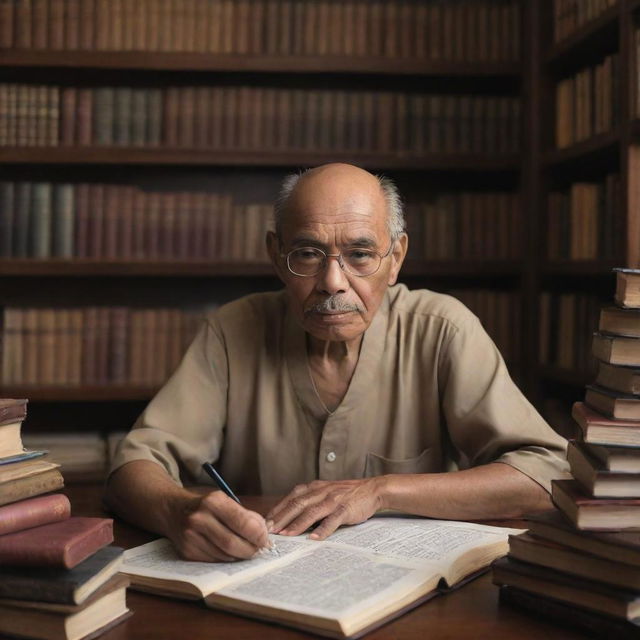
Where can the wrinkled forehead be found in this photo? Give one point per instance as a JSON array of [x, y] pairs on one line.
[[338, 207]]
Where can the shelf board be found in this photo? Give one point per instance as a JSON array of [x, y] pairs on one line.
[[566, 377], [595, 35], [461, 268], [580, 267], [83, 267], [191, 61], [600, 145], [293, 158], [83, 393]]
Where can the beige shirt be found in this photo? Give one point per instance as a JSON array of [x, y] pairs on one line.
[[430, 393]]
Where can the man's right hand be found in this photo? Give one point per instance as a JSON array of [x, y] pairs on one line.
[[213, 527], [203, 525]]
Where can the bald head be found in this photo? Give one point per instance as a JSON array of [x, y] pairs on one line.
[[343, 183]]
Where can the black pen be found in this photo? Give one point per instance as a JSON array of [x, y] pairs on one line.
[[219, 480], [208, 467]]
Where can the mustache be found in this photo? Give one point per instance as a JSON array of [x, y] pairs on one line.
[[332, 304]]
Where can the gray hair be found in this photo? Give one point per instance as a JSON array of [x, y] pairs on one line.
[[395, 219]]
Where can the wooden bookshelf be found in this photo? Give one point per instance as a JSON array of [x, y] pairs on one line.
[[603, 146], [596, 36], [89, 268], [588, 161], [70, 283], [165, 61], [84, 393], [579, 268], [285, 159]]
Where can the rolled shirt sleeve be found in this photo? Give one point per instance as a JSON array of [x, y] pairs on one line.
[[183, 425], [488, 418]]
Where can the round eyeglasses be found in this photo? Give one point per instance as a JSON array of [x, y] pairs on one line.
[[310, 261]]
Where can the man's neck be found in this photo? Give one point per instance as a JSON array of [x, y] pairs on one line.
[[333, 351], [332, 365]]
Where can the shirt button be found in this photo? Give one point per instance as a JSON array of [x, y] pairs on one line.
[[331, 456]]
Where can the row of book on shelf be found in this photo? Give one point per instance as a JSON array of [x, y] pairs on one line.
[[460, 31], [253, 118], [118, 222], [142, 346], [583, 221], [587, 103], [580, 564], [570, 15], [565, 329], [95, 345], [59, 574]]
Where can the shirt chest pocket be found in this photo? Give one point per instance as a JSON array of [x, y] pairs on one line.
[[377, 465]]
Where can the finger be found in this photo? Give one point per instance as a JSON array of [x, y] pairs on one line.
[[311, 515], [196, 547], [297, 491], [293, 511], [247, 524], [330, 524]]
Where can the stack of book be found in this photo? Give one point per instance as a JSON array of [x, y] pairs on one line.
[[580, 564], [58, 573], [23, 474]]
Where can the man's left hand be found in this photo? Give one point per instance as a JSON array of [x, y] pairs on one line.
[[327, 504]]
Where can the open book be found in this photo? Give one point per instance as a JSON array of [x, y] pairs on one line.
[[359, 578]]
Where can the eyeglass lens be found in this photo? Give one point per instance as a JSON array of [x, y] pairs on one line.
[[308, 261]]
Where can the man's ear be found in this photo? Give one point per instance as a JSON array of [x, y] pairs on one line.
[[397, 257], [273, 249]]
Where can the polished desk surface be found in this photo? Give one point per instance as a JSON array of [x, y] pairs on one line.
[[472, 612]]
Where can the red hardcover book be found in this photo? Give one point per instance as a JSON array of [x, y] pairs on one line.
[[34, 512], [60, 544]]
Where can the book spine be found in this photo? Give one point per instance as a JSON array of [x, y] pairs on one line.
[[51, 551], [34, 512]]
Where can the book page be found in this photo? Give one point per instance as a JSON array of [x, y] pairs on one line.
[[437, 541], [159, 559], [331, 582]]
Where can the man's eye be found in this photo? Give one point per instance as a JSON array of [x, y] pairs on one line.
[[307, 254], [358, 255]]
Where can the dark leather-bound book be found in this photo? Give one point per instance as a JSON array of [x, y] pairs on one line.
[[616, 546], [598, 481], [592, 595], [601, 625], [41, 620], [12, 410], [622, 322], [34, 512], [599, 429], [60, 544], [60, 585], [589, 513], [544, 553], [622, 350], [624, 406], [627, 288]]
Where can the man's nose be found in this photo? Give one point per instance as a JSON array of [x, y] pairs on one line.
[[332, 279]]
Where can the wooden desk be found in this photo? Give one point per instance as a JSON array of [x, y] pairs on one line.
[[472, 612]]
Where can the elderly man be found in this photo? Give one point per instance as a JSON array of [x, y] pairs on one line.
[[343, 392]]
